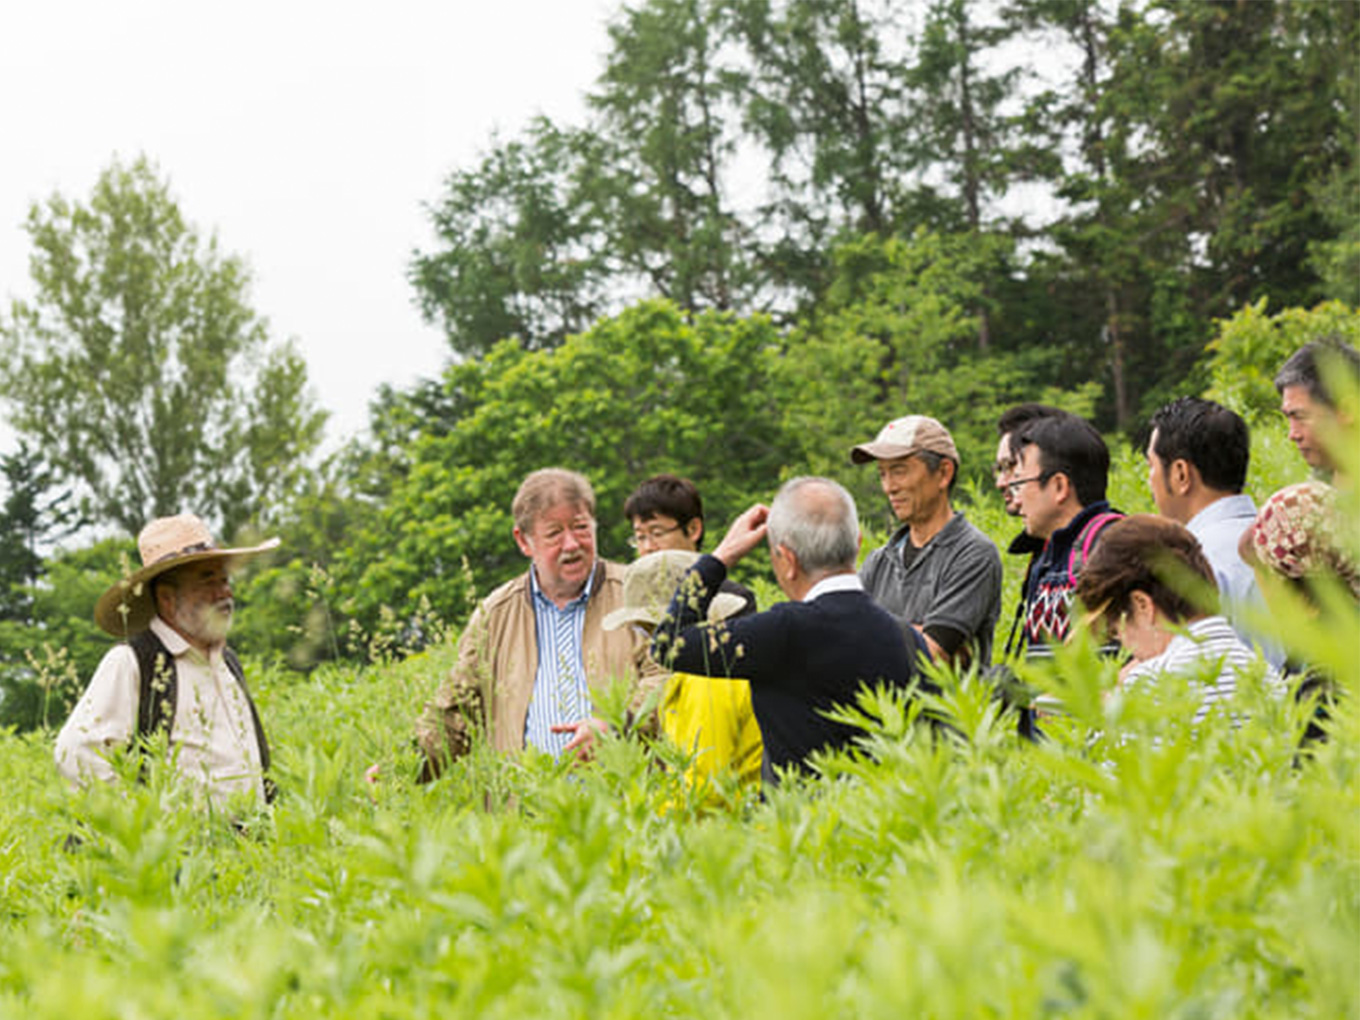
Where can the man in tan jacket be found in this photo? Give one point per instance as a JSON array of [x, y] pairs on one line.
[[534, 652]]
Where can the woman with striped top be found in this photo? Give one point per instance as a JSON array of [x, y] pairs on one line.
[[1150, 584]]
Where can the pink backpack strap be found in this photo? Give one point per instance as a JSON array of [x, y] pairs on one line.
[[1089, 533]]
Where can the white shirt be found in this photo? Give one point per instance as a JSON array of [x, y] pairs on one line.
[[213, 738], [1207, 644], [1218, 527], [834, 582]]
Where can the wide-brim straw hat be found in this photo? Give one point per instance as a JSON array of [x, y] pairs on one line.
[[166, 543], [650, 581]]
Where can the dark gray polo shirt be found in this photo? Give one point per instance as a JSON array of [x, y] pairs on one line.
[[952, 584]]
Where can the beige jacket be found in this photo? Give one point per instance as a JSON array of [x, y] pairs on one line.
[[493, 679]]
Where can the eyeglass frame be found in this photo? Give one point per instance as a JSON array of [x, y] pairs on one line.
[[653, 536], [1013, 486]]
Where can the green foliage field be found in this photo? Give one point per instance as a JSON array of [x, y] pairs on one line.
[[1128, 867], [1103, 874]]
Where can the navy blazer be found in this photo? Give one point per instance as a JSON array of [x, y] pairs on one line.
[[801, 658]]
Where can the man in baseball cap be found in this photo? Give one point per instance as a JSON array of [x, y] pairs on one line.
[[173, 673], [937, 574]]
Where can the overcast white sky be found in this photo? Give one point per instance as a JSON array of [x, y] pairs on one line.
[[307, 134]]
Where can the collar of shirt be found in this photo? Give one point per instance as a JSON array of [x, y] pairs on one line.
[[902, 536], [834, 583], [1229, 508], [538, 595], [172, 639], [176, 644]]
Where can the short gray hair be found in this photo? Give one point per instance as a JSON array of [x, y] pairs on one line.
[[1307, 366], [816, 519], [547, 488]]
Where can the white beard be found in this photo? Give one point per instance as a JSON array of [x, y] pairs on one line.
[[208, 624]]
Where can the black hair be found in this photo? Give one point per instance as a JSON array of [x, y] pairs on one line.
[[668, 495], [1209, 436], [1069, 445], [1022, 414]]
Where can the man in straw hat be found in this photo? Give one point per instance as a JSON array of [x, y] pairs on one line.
[[708, 718], [937, 574], [173, 672]]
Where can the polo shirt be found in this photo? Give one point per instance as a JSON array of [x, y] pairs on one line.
[[952, 583]]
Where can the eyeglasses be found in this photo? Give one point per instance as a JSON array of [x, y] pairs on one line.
[[652, 537], [555, 535], [1013, 488]]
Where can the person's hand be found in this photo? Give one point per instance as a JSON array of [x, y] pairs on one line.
[[584, 736], [746, 532], [932, 646]]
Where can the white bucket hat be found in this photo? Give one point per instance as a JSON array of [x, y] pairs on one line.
[[650, 581]]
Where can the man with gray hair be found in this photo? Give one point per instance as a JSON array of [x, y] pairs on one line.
[[804, 656], [1306, 383], [938, 574], [535, 650], [173, 673]]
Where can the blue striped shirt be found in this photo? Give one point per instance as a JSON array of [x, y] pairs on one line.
[[561, 694]]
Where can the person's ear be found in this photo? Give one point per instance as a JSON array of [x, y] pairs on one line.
[[694, 530], [1180, 476], [1141, 607], [947, 471], [1062, 487], [161, 600], [522, 541]]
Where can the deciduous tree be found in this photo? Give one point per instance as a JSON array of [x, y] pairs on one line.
[[139, 370], [520, 253], [649, 390]]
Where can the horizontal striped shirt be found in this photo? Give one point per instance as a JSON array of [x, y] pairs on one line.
[[1209, 652]]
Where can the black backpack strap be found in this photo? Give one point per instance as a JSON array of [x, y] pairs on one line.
[[234, 664], [159, 685], [159, 691]]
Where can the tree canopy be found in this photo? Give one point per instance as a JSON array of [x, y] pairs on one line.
[[139, 370], [1162, 165], [778, 225]]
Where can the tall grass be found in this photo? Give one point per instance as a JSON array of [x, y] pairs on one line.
[[1130, 866]]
